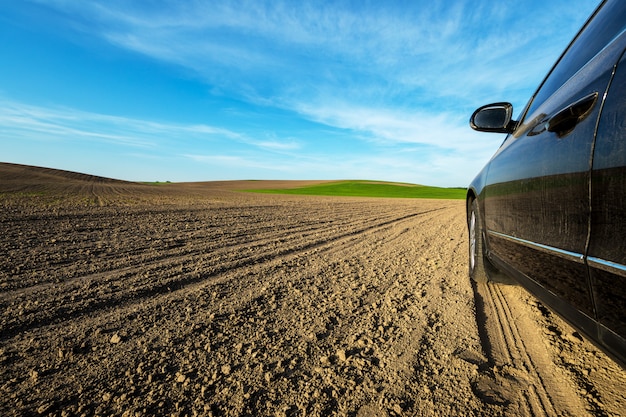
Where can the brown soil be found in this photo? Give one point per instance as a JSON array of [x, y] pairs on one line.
[[192, 299]]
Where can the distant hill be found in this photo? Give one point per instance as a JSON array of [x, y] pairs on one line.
[[25, 185], [32, 185], [15, 177]]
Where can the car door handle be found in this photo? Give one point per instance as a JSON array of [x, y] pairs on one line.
[[564, 121]]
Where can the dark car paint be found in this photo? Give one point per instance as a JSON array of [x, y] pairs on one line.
[[606, 254], [553, 199]]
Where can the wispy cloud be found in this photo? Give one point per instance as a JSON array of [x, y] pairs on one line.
[[390, 155], [402, 56], [66, 124]]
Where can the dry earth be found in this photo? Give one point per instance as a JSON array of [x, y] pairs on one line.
[[128, 299]]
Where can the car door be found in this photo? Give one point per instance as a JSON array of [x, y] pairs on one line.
[[607, 245], [537, 194]]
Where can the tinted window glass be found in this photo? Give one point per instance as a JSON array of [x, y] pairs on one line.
[[603, 28]]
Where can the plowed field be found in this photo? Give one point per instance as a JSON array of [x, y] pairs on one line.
[[128, 299]]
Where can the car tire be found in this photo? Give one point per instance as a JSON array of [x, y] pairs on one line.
[[477, 267]]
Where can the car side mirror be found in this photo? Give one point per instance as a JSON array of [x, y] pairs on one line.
[[496, 118]]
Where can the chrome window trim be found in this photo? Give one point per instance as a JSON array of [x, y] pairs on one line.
[[607, 266], [593, 262], [567, 255]]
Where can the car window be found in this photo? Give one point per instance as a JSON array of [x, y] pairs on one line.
[[604, 26]]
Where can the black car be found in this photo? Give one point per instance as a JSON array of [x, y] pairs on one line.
[[549, 208]]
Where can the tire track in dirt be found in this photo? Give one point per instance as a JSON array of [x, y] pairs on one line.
[[224, 243], [521, 373], [375, 322], [68, 296], [253, 235], [230, 293]]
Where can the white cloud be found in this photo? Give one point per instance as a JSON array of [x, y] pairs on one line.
[[392, 127], [66, 124], [278, 145]]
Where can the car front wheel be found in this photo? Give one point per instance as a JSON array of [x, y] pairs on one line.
[[477, 270]]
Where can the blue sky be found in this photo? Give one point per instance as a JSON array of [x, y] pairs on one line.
[[176, 90]]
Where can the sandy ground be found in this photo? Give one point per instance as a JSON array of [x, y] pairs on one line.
[[193, 299]]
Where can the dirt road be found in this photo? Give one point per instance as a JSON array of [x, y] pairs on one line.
[[193, 299]]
